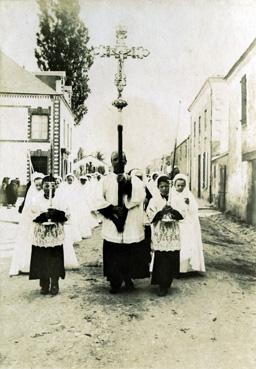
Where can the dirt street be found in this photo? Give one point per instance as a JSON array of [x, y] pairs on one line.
[[206, 322]]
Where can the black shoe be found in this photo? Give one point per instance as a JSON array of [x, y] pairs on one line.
[[54, 290], [162, 291], [54, 286], [114, 289], [44, 291], [129, 286], [44, 284]]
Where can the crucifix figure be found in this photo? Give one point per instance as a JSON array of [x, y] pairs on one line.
[[121, 52]]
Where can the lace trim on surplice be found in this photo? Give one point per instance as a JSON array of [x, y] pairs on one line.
[[166, 236], [48, 235]]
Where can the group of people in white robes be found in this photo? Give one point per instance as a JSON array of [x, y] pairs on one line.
[[161, 215], [77, 196], [162, 211]]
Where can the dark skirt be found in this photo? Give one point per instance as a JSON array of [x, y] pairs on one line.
[[166, 267], [12, 195], [47, 262], [123, 261], [148, 237]]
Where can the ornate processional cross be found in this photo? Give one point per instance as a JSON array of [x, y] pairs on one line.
[[121, 52]]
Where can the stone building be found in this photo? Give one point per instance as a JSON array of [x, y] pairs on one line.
[[241, 184], [209, 140], [36, 122], [223, 139], [182, 156]]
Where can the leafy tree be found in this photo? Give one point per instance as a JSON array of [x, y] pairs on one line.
[[62, 45]]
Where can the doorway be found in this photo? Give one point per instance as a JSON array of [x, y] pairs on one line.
[[40, 164], [222, 188], [252, 198]]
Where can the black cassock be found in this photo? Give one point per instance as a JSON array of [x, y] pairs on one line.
[[122, 261]]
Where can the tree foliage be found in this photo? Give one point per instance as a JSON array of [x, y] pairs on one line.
[[62, 45]]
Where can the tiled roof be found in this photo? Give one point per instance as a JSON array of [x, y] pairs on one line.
[[15, 79]]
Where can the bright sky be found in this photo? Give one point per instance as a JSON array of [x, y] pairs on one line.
[[188, 40]]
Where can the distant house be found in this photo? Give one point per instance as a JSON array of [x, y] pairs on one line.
[[182, 156], [155, 165], [90, 164], [36, 122], [209, 140]]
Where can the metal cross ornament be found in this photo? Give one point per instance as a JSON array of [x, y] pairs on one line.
[[121, 52]]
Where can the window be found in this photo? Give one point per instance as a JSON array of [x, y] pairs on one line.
[[204, 170], [205, 121], [39, 127], [64, 132], [243, 100], [70, 138], [194, 132], [68, 131], [199, 126]]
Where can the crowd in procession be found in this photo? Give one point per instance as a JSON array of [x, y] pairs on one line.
[[154, 230]]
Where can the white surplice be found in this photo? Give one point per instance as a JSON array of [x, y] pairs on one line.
[[165, 234], [134, 224]]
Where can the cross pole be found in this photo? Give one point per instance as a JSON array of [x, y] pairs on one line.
[[120, 52]]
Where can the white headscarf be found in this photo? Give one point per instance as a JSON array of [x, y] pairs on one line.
[[69, 175], [174, 193], [185, 194], [36, 175], [32, 191], [183, 177]]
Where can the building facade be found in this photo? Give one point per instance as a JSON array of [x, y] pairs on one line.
[[36, 123], [182, 156], [241, 185], [209, 138]]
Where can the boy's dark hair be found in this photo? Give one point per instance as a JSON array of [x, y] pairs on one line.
[[49, 178], [162, 178]]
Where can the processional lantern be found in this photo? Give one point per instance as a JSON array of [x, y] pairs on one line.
[[120, 52]]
